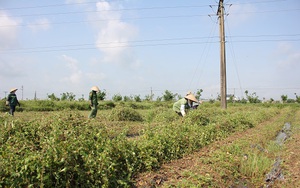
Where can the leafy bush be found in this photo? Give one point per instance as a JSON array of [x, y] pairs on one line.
[[68, 150], [125, 114]]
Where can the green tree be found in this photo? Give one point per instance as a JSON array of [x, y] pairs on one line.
[[168, 96], [101, 95], [82, 98], [149, 97], [198, 93], [67, 96], [284, 98], [137, 98], [117, 98], [252, 98], [52, 97], [297, 98], [127, 98]]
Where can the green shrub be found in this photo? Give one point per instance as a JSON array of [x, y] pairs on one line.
[[66, 149], [125, 114]]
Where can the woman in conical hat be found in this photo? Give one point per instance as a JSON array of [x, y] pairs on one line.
[[185, 103], [13, 90], [93, 98], [12, 101], [95, 88]]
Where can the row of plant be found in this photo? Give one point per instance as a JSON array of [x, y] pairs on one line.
[[242, 162], [49, 105], [67, 150]]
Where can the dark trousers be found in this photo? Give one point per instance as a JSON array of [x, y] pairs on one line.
[[12, 109], [93, 112]]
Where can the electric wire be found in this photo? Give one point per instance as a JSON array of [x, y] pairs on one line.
[[200, 59], [206, 54], [160, 42], [92, 2], [234, 59]]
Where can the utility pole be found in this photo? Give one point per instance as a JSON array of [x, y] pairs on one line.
[[222, 57], [22, 91]]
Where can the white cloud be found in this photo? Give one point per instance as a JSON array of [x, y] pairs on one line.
[[114, 35], [39, 24], [96, 76], [8, 31], [75, 1], [239, 13], [76, 74], [287, 56]]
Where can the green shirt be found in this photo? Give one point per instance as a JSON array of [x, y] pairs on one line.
[[93, 98], [12, 99], [177, 105]]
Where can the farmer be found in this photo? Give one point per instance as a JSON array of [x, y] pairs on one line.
[[181, 106], [12, 101], [93, 101]]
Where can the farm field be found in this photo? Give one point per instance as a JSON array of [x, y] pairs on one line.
[[147, 145]]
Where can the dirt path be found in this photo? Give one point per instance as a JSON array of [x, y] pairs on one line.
[[193, 167]]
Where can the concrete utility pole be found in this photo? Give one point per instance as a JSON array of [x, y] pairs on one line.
[[222, 58], [22, 91]]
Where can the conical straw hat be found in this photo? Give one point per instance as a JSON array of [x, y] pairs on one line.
[[188, 93], [13, 89], [95, 88], [191, 97]]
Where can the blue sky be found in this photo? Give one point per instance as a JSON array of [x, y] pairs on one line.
[[133, 47]]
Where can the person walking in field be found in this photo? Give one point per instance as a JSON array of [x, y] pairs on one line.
[[12, 101], [93, 101], [182, 105]]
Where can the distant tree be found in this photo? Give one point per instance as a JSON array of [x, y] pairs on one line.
[[101, 95], [284, 98], [117, 98], [168, 96], [63, 97], [127, 98], [52, 97], [297, 98], [67, 96], [231, 99], [211, 100], [252, 98], [290, 101], [199, 93], [219, 97], [178, 96], [137, 98], [82, 98], [149, 97], [243, 101], [158, 99]]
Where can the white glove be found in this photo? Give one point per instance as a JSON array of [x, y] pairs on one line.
[[182, 110]]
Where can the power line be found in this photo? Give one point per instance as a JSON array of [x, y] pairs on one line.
[[24, 50], [111, 10], [132, 45], [139, 18], [104, 20], [141, 8]]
